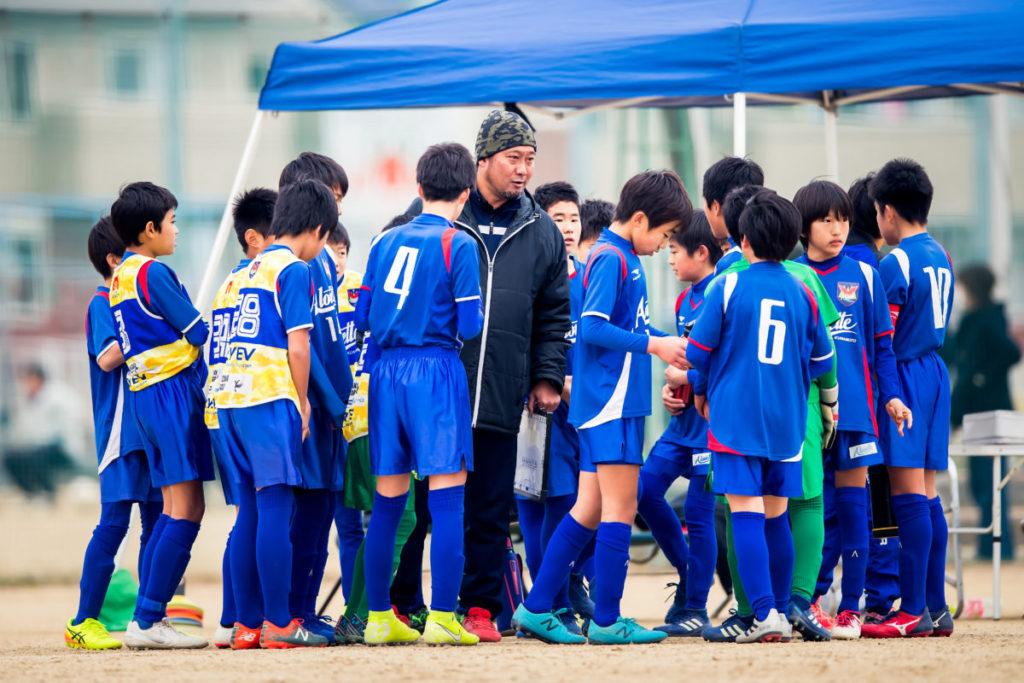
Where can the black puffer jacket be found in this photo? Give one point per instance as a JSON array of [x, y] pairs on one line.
[[525, 288]]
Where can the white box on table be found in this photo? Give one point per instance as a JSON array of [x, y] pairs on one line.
[[994, 427]]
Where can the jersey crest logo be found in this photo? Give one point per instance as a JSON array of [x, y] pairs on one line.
[[353, 296], [847, 293], [253, 268]]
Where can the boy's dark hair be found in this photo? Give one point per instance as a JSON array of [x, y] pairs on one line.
[[978, 280], [865, 218], [698, 235], [559, 191], [771, 225], [595, 216], [445, 171], [728, 173], [138, 204], [310, 165], [253, 210], [903, 185], [816, 200], [660, 195], [733, 205], [339, 235], [103, 240], [303, 206]]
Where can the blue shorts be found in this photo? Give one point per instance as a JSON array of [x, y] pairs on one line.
[[127, 478], [323, 461], [925, 382], [170, 419], [227, 485], [852, 450], [419, 414], [748, 475], [564, 457], [691, 461], [263, 444], [618, 442]]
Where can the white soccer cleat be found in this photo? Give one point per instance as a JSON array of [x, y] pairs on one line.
[[161, 636], [847, 626], [772, 629], [222, 637]]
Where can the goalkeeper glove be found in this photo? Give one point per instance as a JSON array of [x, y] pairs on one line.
[[829, 402]]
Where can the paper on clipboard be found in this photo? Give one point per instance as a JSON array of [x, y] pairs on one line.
[[532, 449]]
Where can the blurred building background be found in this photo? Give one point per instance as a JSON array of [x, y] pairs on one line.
[[97, 93]]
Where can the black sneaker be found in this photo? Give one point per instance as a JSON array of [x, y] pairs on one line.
[[678, 609], [727, 631], [418, 618], [347, 633], [807, 625], [942, 623]]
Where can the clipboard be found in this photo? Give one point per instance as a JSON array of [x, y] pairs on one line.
[[533, 448]]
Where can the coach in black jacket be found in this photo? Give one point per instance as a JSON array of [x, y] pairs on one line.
[[520, 355]]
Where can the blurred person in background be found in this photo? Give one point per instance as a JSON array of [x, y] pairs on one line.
[[980, 355]]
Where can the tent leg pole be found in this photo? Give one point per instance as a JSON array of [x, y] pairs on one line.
[[739, 124], [1000, 243], [831, 145], [205, 298]]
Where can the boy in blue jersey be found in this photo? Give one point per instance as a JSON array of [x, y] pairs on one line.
[[757, 436], [863, 342], [720, 179], [253, 212], [160, 334], [595, 216], [330, 380], [918, 280], [539, 519], [613, 340], [124, 474], [262, 406], [682, 451], [420, 298]]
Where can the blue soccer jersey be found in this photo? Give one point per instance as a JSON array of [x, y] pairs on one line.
[[918, 280], [760, 340], [330, 374], [689, 428], [116, 431], [564, 439], [617, 368], [348, 295], [422, 286], [862, 337], [729, 258]]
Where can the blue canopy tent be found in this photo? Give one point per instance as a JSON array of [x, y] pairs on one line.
[[571, 56]]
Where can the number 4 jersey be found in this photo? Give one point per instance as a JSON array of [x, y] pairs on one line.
[[759, 339]]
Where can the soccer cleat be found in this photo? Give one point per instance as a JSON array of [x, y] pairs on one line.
[[771, 629], [222, 637], [478, 621], [418, 618], [545, 626], [443, 628], [807, 625], [678, 602], [579, 598], [823, 617], [689, 623], [873, 617], [245, 638], [384, 628], [322, 626], [623, 632], [900, 625], [404, 618], [727, 631], [847, 625], [160, 636], [292, 635], [89, 635], [942, 623], [347, 633], [568, 619]]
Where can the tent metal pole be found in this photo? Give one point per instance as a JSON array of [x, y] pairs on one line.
[[831, 138], [1000, 242], [205, 298], [739, 124]]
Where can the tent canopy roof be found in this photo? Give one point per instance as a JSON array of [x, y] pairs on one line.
[[585, 53]]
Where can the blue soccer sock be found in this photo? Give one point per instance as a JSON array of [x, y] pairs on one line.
[[851, 510], [227, 605], [531, 522], [316, 577], [832, 549], [611, 555], [935, 583], [146, 559], [245, 578], [662, 520], [748, 533], [99, 558], [555, 510], [781, 557], [915, 528], [170, 558], [149, 515], [379, 552], [699, 510], [349, 523], [312, 513], [446, 551], [563, 549], [274, 508]]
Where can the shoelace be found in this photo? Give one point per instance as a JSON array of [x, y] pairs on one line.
[[674, 585]]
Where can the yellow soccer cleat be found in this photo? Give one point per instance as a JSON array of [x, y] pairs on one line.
[[89, 635], [443, 628], [384, 628]]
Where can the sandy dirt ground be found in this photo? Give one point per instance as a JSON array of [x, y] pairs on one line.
[[32, 648]]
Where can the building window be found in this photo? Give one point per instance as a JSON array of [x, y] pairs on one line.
[[126, 71], [17, 80], [23, 291]]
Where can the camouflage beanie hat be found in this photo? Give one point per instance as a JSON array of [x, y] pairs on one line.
[[502, 130]]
